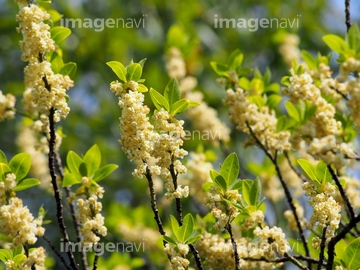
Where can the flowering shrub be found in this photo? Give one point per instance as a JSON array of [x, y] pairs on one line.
[[202, 209]]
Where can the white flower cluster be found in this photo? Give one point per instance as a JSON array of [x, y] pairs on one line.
[[35, 259], [272, 242], [204, 118], [261, 121], [288, 214], [350, 65], [48, 89], [7, 106], [253, 220], [178, 260], [17, 222], [323, 128], [353, 88], [89, 214], [141, 140], [289, 49], [326, 211]]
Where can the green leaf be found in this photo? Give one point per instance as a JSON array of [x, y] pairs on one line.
[[104, 171], [322, 173], [309, 60], [221, 182], [286, 80], [55, 16], [18, 259], [281, 123], [3, 158], [179, 106], [169, 240], [69, 69], [255, 191], [273, 100], [292, 111], [4, 168], [340, 248], [5, 255], [230, 169], [193, 104], [187, 228], [56, 62], [352, 255], [83, 170], [159, 100], [73, 161], [92, 160], [245, 190], [26, 183], [141, 88], [207, 186], [175, 228], [20, 165], [134, 72], [118, 69], [213, 174], [172, 92], [258, 100], [59, 33], [235, 59], [336, 43], [70, 180], [236, 185], [220, 69], [353, 38], [192, 239], [17, 250], [308, 168], [142, 62]]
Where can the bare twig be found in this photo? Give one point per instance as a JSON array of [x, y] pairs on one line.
[[347, 15], [322, 249], [62, 259], [236, 254]]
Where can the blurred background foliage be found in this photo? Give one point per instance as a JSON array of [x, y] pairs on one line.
[[94, 110]]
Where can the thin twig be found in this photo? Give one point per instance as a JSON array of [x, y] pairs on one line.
[[347, 15], [322, 249], [331, 246], [59, 206], [286, 190], [234, 245], [293, 168], [72, 211], [295, 261], [62, 259]]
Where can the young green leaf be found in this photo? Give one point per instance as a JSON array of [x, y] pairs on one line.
[[142, 62], [175, 228], [73, 161], [26, 183], [5, 255], [134, 72], [245, 190], [141, 88], [235, 59], [207, 186], [18, 259], [322, 173], [255, 191], [59, 33], [69, 69], [309, 59], [118, 69], [353, 38], [352, 255], [292, 111], [308, 168], [4, 168], [3, 158], [281, 123], [104, 172], [56, 62], [336, 43], [92, 160], [220, 69], [172, 92], [221, 182], [70, 180], [230, 169], [169, 240], [192, 239], [187, 229], [159, 100], [179, 106], [20, 165], [213, 174]]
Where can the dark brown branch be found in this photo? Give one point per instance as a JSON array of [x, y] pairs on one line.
[[62, 259], [234, 245], [331, 246], [286, 191], [72, 211], [57, 195], [342, 193], [322, 249], [347, 15]]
